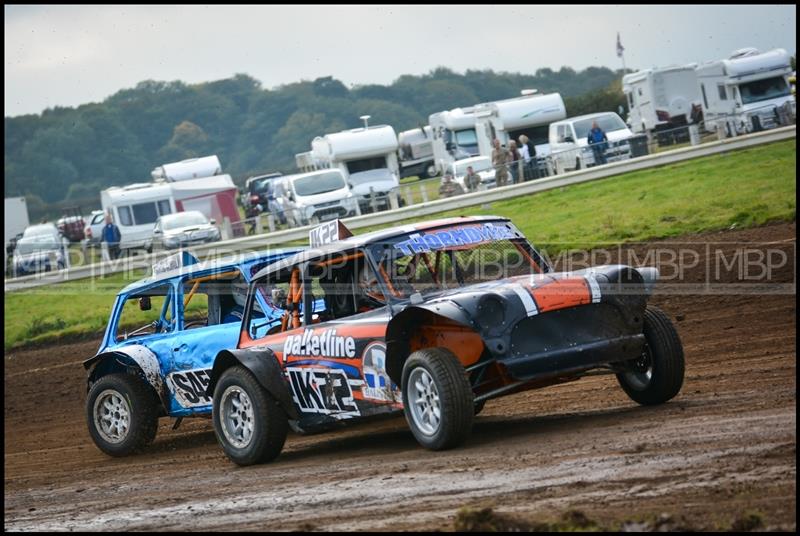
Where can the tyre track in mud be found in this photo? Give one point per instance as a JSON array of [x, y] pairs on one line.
[[725, 445]]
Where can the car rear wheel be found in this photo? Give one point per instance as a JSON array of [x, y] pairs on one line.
[[248, 423], [437, 398], [657, 374], [122, 414]]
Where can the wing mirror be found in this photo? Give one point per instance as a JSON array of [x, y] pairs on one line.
[[144, 303], [213, 221], [569, 139]]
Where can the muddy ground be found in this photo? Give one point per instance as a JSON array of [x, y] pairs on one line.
[[724, 448]]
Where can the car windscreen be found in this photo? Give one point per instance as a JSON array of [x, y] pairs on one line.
[[427, 262], [39, 230], [184, 219], [262, 186], [761, 90], [482, 164], [39, 243], [608, 123], [318, 184]]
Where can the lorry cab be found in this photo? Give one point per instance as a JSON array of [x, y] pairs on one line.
[[569, 145]]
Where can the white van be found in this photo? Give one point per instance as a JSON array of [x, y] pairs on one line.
[[569, 144], [317, 196]]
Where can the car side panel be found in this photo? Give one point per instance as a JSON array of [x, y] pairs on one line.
[[188, 369], [336, 370]]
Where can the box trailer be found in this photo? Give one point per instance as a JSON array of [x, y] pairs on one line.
[[15, 221]]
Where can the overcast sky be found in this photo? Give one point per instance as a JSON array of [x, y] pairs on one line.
[[71, 55]]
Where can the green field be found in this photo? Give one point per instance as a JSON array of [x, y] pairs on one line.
[[738, 189]]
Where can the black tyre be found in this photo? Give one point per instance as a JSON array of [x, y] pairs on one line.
[[248, 423], [437, 398], [657, 375], [122, 414]]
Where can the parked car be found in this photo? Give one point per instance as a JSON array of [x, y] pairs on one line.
[[162, 336], [93, 232], [432, 320], [259, 194], [318, 195], [482, 165], [42, 248], [569, 147], [182, 229]]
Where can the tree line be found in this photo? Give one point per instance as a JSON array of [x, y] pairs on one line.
[[67, 155]]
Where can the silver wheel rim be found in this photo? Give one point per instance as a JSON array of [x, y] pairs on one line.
[[423, 399], [237, 417], [112, 416], [642, 370]]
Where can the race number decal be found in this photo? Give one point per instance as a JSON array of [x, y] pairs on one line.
[[324, 391], [189, 387]]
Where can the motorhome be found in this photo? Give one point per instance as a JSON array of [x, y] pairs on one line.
[[466, 132], [747, 92], [661, 99], [367, 158], [529, 114], [136, 207], [453, 137], [415, 154], [192, 168]]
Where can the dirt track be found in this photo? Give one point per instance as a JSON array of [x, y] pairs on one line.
[[725, 446]]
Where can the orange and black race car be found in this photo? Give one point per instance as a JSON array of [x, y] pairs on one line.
[[430, 319]]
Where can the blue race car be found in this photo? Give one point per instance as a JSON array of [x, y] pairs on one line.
[[160, 343]]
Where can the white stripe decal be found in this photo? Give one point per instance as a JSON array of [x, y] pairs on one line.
[[594, 287], [527, 300]]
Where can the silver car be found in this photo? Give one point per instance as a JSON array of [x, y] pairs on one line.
[[182, 229], [42, 248]]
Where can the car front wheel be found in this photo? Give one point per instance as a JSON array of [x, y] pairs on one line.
[[657, 374], [248, 423], [437, 398], [122, 414]]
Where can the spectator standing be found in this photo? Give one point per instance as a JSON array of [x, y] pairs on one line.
[[499, 159], [516, 161], [526, 157], [112, 237], [598, 141], [471, 180]]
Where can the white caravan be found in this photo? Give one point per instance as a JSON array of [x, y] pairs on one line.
[[662, 98], [367, 158], [506, 120], [747, 92], [136, 207], [416, 153]]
